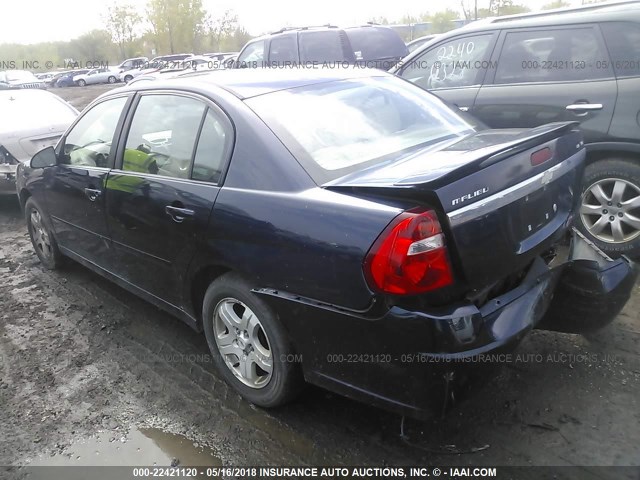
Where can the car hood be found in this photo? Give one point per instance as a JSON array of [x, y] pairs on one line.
[[32, 120]]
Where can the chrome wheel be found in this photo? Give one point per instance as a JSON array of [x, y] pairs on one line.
[[40, 236], [610, 210], [242, 343]]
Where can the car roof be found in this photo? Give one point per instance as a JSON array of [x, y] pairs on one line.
[[247, 83], [610, 11]]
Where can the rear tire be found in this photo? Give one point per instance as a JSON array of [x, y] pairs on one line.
[[610, 206], [42, 239], [244, 335], [128, 78]]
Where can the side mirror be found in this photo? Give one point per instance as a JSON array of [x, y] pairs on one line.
[[44, 158]]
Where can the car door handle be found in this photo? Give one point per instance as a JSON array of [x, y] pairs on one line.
[[92, 193], [463, 109], [178, 214], [584, 107]]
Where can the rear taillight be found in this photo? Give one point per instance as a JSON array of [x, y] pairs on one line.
[[410, 256]]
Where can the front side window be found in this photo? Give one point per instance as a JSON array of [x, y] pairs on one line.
[[558, 55], [340, 127], [162, 136], [252, 55], [89, 141], [457, 63]]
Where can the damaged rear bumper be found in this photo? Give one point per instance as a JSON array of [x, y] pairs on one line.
[[411, 361], [592, 290]]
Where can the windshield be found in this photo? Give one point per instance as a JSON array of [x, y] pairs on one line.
[[339, 127]]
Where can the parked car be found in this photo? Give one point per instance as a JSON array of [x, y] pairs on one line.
[[53, 81], [580, 64], [221, 56], [29, 121], [370, 45], [66, 80], [131, 63], [154, 65], [97, 75], [344, 227], [45, 77], [419, 42], [20, 79]]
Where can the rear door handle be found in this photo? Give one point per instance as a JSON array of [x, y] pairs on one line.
[[583, 108], [178, 214], [92, 193]]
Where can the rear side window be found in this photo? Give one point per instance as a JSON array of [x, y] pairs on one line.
[[325, 46], [457, 63], [283, 50], [212, 149], [623, 42], [162, 136], [560, 55]]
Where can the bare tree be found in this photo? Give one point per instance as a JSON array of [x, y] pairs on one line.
[[221, 27], [122, 21]]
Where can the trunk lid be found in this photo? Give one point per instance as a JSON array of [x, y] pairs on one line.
[[497, 208]]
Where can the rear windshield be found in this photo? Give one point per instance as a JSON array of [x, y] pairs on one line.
[[339, 127]]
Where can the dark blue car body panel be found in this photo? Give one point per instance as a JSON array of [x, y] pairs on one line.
[[303, 245]]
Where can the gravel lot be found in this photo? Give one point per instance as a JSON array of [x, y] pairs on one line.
[[90, 374], [80, 97]]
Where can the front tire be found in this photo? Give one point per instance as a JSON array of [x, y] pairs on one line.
[[610, 206], [250, 348], [81, 83], [42, 239]]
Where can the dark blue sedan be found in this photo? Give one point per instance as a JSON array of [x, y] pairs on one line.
[[341, 227]]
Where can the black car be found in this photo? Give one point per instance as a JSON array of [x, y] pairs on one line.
[[579, 64], [345, 228], [373, 46]]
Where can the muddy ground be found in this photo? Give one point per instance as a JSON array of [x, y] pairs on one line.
[[90, 374]]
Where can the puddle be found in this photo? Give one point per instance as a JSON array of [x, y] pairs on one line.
[[145, 447]]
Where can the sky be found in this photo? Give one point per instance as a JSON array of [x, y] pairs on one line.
[[33, 21]]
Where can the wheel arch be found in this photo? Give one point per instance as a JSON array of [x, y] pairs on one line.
[[24, 196], [612, 150], [200, 281]]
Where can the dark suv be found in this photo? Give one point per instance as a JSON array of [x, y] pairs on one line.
[[579, 64], [370, 45]]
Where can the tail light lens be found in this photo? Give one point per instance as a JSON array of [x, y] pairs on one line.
[[410, 256]]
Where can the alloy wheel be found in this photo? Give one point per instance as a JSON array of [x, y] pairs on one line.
[[610, 210], [243, 343], [40, 235]]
